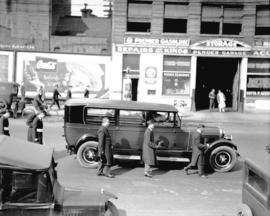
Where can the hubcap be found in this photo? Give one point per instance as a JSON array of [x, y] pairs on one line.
[[223, 159], [89, 155]]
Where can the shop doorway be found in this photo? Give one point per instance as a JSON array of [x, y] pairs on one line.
[[217, 73], [134, 89]]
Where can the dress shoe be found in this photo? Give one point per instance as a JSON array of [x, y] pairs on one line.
[[109, 176], [148, 175], [186, 170], [100, 174]]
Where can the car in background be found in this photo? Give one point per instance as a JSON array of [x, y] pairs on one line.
[[256, 187], [128, 121], [9, 97], [29, 185]]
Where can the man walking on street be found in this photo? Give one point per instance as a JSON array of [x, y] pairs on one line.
[[105, 149], [212, 97], [4, 124], [198, 148], [29, 123], [86, 92], [149, 149], [55, 97], [38, 128]]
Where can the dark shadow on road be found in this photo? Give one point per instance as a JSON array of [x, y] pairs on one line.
[[120, 170]]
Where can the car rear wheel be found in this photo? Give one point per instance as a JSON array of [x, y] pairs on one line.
[[87, 154], [222, 159], [244, 210], [111, 209]]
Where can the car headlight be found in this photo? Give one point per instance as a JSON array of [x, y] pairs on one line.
[[228, 137]]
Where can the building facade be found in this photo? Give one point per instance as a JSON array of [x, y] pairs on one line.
[[177, 51]]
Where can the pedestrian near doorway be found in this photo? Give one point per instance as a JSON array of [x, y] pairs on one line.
[[198, 157], [55, 97], [212, 97], [105, 149], [149, 149], [86, 92], [4, 124], [221, 101], [38, 128]]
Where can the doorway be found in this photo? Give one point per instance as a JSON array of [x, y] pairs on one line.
[[134, 89], [217, 73]]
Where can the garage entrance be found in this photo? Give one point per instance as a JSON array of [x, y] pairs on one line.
[[217, 73]]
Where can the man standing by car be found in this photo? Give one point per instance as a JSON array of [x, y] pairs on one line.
[[212, 97], [105, 149], [38, 128], [198, 148], [4, 124], [149, 149]]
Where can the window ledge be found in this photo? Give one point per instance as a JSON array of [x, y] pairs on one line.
[[173, 34], [222, 36], [262, 36], [137, 33]]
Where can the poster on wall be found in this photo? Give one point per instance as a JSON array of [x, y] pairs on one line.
[[6, 65], [258, 85], [76, 71], [175, 83]]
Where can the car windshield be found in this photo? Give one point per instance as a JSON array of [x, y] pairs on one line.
[[24, 187]]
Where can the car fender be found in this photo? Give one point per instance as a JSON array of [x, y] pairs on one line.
[[84, 138], [220, 142]]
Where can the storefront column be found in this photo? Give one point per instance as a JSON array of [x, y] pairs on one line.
[[193, 71], [243, 83], [116, 75]]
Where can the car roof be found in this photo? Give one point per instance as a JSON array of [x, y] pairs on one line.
[[20, 154], [120, 104]]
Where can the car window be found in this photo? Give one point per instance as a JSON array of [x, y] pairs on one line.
[[257, 182], [95, 115], [131, 117], [161, 119]]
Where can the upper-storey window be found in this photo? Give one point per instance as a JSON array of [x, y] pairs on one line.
[[139, 16], [221, 19], [175, 17], [263, 20]]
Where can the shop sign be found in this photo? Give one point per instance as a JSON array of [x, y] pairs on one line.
[[220, 53], [17, 47], [46, 64], [262, 44], [261, 53], [156, 50], [221, 44], [258, 85], [150, 75], [157, 41]]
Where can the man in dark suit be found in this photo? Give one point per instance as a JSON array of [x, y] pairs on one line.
[[4, 124], [149, 149], [198, 148], [38, 102], [105, 149], [55, 97], [38, 128], [86, 92], [29, 123]]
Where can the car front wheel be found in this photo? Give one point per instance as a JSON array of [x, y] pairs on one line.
[[222, 159], [87, 154], [111, 209]]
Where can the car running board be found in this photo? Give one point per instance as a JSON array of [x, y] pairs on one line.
[[136, 157]]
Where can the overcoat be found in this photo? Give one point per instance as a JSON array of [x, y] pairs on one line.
[[105, 146], [38, 130], [198, 148], [38, 103], [4, 126], [29, 123], [149, 148]]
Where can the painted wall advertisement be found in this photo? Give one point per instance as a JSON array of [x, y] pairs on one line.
[[76, 71], [6, 65]]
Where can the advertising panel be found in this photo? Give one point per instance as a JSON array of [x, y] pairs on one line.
[[77, 71], [6, 65]]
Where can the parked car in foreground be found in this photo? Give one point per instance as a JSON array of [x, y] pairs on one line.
[[29, 185], [256, 187], [128, 119]]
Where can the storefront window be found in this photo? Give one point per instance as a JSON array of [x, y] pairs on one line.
[[176, 75], [258, 78]]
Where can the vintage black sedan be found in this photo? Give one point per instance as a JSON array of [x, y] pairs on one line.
[[29, 185], [128, 123]]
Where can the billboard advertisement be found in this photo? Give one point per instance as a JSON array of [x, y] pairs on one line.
[[64, 70], [6, 65]]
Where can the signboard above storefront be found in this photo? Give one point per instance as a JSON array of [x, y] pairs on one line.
[[221, 44], [157, 41]]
